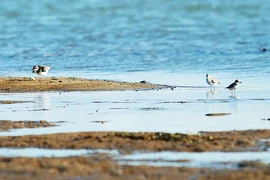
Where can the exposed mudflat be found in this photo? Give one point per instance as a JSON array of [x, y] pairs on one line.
[[104, 167], [6, 125], [127, 142], [27, 84], [13, 102]]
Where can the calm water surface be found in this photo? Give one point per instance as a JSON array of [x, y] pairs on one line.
[[88, 37], [134, 111]]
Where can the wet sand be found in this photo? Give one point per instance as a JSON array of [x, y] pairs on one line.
[[6, 125], [102, 166], [127, 142], [26, 84]]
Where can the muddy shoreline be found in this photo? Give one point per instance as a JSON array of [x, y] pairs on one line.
[[103, 166], [27, 84], [126, 142], [7, 125]]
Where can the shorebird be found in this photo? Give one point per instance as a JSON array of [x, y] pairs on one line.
[[41, 70], [232, 87], [211, 81]]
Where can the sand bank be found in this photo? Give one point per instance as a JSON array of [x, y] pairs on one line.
[[26, 84], [127, 142], [104, 167], [6, 125]]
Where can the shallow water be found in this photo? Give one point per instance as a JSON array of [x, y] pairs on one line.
[[182, 110], [38, 152], [217, 160]]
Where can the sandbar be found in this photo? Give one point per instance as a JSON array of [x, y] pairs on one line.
[[103, 166], [27, 84], [127, 142]]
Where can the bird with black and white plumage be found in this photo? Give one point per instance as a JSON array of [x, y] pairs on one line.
[[41, 70], [211, 81], [232, 87]]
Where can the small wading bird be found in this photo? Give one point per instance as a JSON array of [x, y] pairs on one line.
[[41, 70], [232, 87], [211, 81]]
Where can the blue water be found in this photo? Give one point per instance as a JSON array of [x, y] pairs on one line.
[[88, 37]]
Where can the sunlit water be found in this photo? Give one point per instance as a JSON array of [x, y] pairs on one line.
[[179, 110], [191, 159], [217, 160], [37, 152]]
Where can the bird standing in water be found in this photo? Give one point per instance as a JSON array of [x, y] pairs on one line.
[[211, 81], [232, 87]]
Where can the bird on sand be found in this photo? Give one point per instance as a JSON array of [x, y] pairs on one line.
[[41, 70], [232, 87], [211, 81]]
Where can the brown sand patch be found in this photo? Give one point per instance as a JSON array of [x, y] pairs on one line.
[[23, 84], [13, 102], [128, 142], [104, 167], [6, 125], [95, 167]]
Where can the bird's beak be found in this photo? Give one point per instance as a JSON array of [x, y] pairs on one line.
[[241, 82]]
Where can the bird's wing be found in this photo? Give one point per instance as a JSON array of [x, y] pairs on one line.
[[44, 68], [231, 85], [213, 80]]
